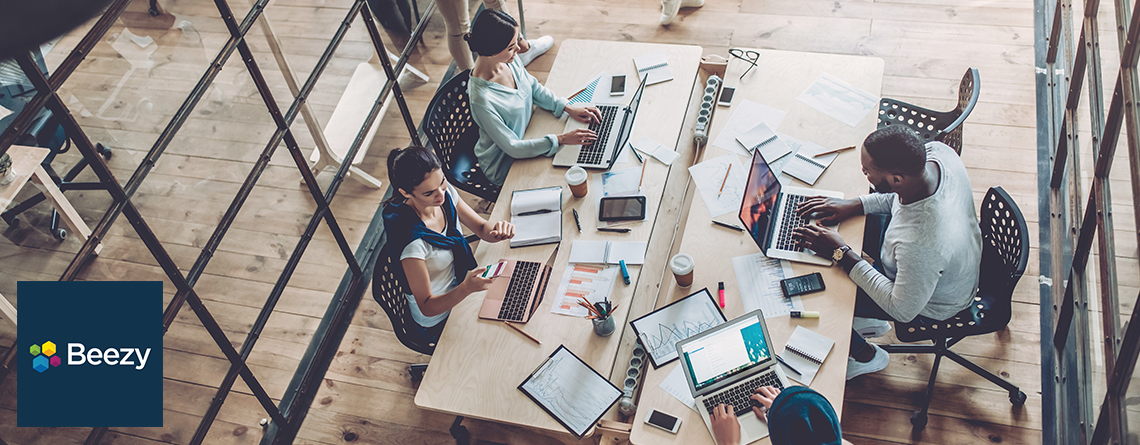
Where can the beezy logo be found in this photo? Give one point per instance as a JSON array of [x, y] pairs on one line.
[[97, 345]]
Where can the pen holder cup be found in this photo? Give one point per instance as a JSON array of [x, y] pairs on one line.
[[604, 327]]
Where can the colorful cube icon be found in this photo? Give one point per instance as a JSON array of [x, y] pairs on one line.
[[48, 348], [55, 361], [35, 349], [40, 363]]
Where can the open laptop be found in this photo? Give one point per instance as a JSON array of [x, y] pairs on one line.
[[725, 364], [518, 291], [768, 211], [613, 132]]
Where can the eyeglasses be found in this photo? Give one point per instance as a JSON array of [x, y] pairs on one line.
[[748, 56]]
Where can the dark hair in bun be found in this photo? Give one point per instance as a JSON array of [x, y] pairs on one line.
[[491, 33], [407, 168]]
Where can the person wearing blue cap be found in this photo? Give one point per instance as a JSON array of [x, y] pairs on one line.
[[796, 416]]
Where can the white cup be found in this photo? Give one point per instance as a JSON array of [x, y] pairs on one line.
[[577, 177], [682, 265]]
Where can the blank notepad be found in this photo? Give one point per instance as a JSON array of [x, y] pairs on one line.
[[805, 351], [608, 252]]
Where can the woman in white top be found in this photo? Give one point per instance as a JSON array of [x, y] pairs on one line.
[[422, 225]]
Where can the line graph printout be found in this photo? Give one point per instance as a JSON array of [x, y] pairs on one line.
[[709, 176], [660, 330], [838, 99], [571, 391]]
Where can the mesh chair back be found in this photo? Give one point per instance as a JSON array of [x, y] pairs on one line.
[[452, 133], [1005, 254], [389, 294], [945, 127]]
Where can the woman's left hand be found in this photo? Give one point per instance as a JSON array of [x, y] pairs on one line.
[[821, 239], [501, 230], [584, 114]]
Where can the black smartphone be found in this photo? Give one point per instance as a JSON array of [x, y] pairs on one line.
[[803, 284], [622, 208], [617, 85], [726, 94]]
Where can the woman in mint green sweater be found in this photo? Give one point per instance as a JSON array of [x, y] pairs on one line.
[[503, 95]]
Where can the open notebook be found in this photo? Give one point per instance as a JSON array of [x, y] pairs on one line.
[[537, 216], [608, 252], [805, 351]]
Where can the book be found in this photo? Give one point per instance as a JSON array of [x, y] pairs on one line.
[[607, 252], [805, 351], [655, 65], [537, 216], [763, 138]]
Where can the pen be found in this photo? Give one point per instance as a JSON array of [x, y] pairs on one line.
[[576, 221], [528, 335], [725, 181], [639, 182], [607, 229], [731, 226], [572, 96], [635, 153], [781, 360], [625, 277], [536, 212], [805, 314], [837, 150], [720, 291]]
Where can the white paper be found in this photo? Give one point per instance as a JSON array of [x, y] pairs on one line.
[[572, 391], [711, 174], [676, 386], [595, 283], [608, 252], [839, 99], [746, 115], [660, 152], [525, 201], [758, 278], [596, 91], [764, 138]]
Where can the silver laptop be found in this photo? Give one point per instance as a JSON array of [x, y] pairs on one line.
[[768, 211], [724, 364], [613, 132]]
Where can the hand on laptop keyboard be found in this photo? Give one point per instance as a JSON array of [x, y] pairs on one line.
[[577, 137], [829, 211], [585, 115], [821, 239]]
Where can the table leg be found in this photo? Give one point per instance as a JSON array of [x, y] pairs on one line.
[[43, 181], [7, 309]]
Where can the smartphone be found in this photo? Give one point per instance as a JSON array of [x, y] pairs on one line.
[[803, 284], [663, 421], [622, 208], [495, 270], [617, 85], [726, 94]]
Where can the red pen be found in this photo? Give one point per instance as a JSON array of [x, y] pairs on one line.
[[720, 290]]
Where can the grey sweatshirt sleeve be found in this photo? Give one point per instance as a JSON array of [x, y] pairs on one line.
[[877, 203], [918, 271]]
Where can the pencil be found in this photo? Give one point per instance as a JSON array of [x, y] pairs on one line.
[[725, 181], [837, 150], [572, 96], [643, 164], [521, 331]]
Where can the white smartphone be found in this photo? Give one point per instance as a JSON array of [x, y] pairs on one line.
[[726, 94], [617, 85], [663, 421]]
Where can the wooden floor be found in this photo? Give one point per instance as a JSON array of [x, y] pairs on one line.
[[126, 91]]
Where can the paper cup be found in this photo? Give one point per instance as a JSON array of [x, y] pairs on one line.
[[577, 178], [682, 265]]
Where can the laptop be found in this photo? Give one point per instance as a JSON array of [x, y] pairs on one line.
[[768, 211], [613, 133], [725, 364], [518, 291]]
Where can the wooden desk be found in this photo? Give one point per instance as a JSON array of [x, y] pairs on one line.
[[783, 76], [478, 364]]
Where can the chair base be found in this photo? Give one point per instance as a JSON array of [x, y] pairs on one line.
[[940, 349], [417, 371], [459, 432]]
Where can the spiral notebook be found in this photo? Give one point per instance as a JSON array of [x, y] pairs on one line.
[[805, 351], [656, 65]]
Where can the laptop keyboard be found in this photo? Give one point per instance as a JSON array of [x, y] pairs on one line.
[[739, 396], [785, 240], [518, 292], [592, 153]]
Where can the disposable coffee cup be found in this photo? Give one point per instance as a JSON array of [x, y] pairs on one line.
[[577, 177], [682, 265]]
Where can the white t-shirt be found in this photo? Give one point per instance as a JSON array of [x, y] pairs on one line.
[[441, 271]]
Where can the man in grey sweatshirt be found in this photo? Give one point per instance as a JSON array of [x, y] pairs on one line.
[[927, 265]]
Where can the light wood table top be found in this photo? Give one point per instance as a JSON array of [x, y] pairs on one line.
[[25, 161], [779, 79], [478, 364]]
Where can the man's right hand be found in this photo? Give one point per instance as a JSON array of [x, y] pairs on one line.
[[830, 211]]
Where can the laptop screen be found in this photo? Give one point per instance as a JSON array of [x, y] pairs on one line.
[[629, 118], [732, 349], [758, 208]]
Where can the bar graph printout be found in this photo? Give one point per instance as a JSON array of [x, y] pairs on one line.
[[570, 391], [660, 330], [593, 282]]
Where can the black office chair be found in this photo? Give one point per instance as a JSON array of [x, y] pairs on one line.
[[1005, 253], [388, 292], [452, 133], [945, 127]]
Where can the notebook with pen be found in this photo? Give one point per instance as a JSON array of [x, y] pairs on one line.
[[804, 353], [537, 216]]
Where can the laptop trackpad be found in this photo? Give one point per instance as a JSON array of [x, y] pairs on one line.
[[752, 428]]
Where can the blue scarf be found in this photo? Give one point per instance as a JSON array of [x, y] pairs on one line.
[[403, 225]]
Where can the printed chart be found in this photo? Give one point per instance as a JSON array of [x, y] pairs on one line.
[[571, 391], [660, 330], [589, 281], [711, 174]]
